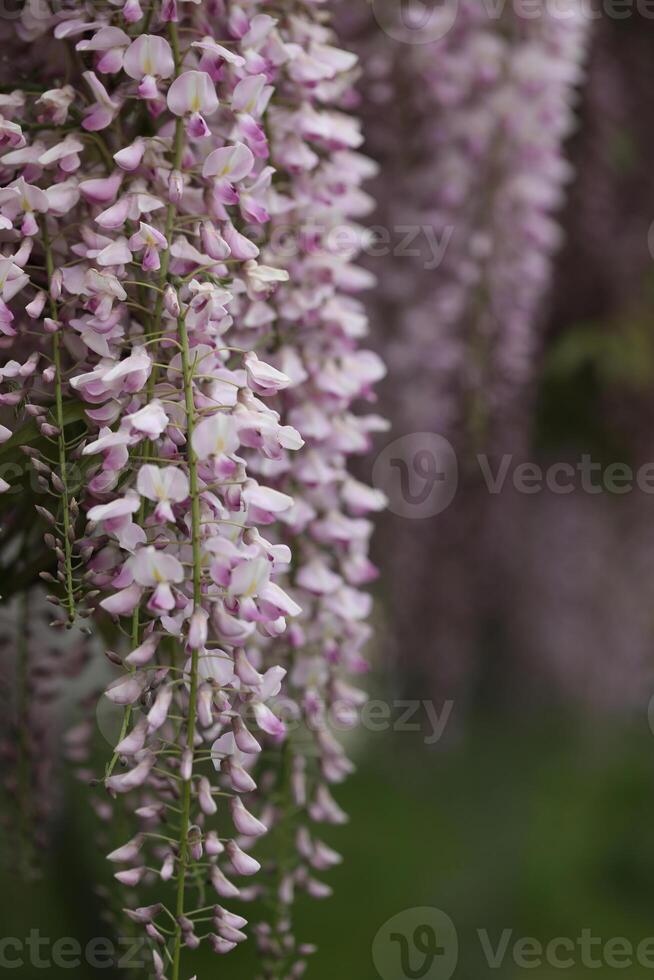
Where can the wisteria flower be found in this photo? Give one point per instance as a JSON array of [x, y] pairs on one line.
[[159, 571], [109, 44], [104, 110], [151, 242], [193, 95], [227, 166], [165, 485], [148, 59]]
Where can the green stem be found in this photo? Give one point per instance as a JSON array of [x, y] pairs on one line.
[[103, 150], [61, 435], [171, 212], [187, 368], [127, 715]]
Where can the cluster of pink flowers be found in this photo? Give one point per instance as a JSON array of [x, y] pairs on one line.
[[473, 177], [191, 391], [477, 169], [319, 323]]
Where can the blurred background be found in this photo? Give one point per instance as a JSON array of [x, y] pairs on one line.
[[515, 631]]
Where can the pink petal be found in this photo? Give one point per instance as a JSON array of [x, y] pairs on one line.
[[232, 162], [192, 92]]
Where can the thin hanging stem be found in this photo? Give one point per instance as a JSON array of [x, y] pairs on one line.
[[171, 212], [197, 598], [61, 434], [187, 370]]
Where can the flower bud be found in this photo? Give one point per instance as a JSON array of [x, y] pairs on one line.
[[245, 822], [214, 244], [35, 308], [56, 283], [159, 710], [241, 780], [154, 934], [130, 877], [127, 853], [243, 864], [186, 765], [224, 887], [244, 739], [167, 868], [213, 845], [197, 634], [175, 187], [195, 842], [171, 301], [132, 11], [219, 945], [205, 702], [205, 798], [145, 914]]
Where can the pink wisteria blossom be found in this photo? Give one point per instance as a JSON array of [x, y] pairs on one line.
[[195, 390], [193, 95], [149, 59]]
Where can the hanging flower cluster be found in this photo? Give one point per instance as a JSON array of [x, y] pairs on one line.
[[190, 392], [475, 175], [319, 323]]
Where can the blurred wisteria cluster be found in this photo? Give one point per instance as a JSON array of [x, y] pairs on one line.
[[478, 167], [473, 183]]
